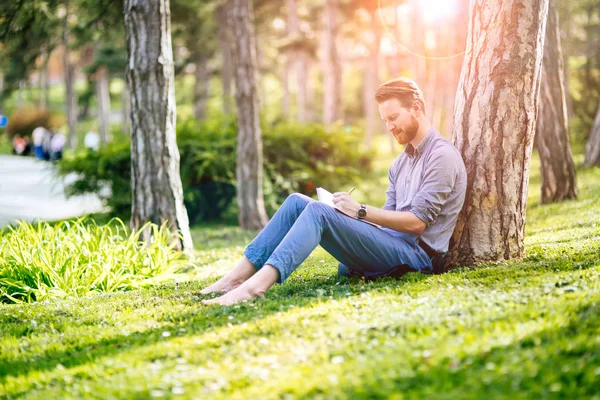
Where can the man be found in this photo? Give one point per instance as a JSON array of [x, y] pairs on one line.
[[425, 194]]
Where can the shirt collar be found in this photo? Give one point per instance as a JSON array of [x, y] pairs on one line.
[[411, 151]]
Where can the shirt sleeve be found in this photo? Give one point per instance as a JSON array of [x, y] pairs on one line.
[[439, 179], [390, 193]]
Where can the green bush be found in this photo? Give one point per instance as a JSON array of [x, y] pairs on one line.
[[297, 158], [78, 258]]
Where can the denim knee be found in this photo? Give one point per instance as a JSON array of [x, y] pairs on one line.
[[343, 270]]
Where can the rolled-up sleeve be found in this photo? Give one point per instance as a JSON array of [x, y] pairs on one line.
[[390, 193], [439, 177]]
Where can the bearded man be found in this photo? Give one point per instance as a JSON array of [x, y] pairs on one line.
[[426, 191]]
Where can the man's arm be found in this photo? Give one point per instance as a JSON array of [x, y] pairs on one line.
[[401, 221]]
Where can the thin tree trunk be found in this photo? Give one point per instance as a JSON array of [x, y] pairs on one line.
[[286, 98], [592, 150], [226, 69], [332, 109], [302, 78], [157, 194], [103, 101], [201, 85], [125, 102], [495, 116], [558, 169], [249, 170], [20, 95], [41, 81], [70, 96]]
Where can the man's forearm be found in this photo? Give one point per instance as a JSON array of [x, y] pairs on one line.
[[401, 221]]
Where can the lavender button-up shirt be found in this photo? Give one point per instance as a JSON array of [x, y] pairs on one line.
[[429, 181]]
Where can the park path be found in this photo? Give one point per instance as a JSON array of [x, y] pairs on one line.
[[29, 191]]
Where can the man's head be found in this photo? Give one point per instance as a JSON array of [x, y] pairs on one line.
[[402, 107]]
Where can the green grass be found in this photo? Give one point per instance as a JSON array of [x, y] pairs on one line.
[[522, 329]]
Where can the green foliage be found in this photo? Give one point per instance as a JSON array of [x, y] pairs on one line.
[[77, 258], [296, 159]]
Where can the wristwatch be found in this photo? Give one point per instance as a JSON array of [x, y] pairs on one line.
[[361, 213]]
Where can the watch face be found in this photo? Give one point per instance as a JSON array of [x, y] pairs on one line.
[[361, 213]]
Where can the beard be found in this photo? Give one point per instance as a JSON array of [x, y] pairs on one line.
[[408, 133]]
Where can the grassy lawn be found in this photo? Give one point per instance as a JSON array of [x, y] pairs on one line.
[[528, 328]]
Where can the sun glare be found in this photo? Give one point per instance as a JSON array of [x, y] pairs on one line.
[[438, 10]]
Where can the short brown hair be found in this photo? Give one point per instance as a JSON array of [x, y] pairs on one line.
[[403, 89]]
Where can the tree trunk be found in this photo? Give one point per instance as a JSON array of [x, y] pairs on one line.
[[201, 85], [249, 171], [226, 68], [286, 98], [42, 80], [125, 101], [495, 116], [70, 96], [558, 169], [157, 194], [592, 150], [332, 107], [20, 96], [103, 100]]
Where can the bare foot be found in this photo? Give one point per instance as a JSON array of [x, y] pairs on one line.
[[241, 294], [238, 275], [221, 286]]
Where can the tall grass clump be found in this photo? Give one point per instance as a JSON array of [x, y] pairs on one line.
[[78, 258]]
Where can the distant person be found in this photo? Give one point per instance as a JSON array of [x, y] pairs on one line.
[[37, 137], [46, 140], [19, 144], [92, 140], [57, 144]]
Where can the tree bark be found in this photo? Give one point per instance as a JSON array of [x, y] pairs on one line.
[[558, 169], [70, 96], [249, 171], [592, 151], [332, 107], [201, 85], [157, 194], [495, 116], [226, 68], [103, 100]]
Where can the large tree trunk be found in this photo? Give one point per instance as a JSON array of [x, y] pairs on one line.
[[70, 96], [495, 116], [558, 169], [286, 98], [249, 171], [103, 100], [592, 150], [157, 195], [226, 68], [201, 85], [332, 80]]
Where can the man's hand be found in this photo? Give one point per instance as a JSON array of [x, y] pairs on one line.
[[345, 203]]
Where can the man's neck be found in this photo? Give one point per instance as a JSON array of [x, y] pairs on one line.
[[421, 133]]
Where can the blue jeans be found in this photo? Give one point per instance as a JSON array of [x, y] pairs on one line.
[[301, 223]]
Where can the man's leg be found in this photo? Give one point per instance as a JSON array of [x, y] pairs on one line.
[[359, 245], [263, 245]]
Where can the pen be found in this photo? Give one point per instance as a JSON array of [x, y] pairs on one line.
[[350, 191]]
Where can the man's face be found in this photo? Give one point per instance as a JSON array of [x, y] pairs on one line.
[[400, 121]]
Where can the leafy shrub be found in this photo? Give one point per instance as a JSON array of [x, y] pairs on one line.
[[24, 120], [78, 258], [297, 158]]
